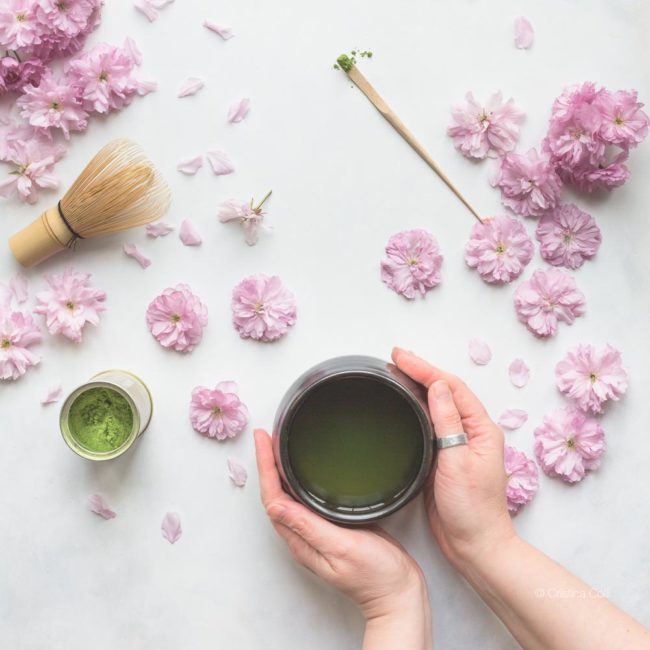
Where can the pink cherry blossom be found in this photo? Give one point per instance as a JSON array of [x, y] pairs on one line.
[[249, 217], [188, 234], [19, 27], [568, 236], [528, 183], [522, 476], [149, 8], [53, 395], [171, 527], [18, 333], [499, 249], [491, 130], [15, 75], [220, 162], [524, 33], [569, 444], [518, 372], [176, 318], [591, 377], [479, 352], [262, 308], [190, 86], [412, 263], [131, 250], [191, 165], [103, 77], [512, 419], [623, 121], [239, 110], [237, 472], [69, 303], [548, 297], [224, 32], [65, 19], [218, 412], [53, 104], [98, 505]]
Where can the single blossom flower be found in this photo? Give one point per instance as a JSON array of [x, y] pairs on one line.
[[262, 308], [522, 476], [53, 104], [18, 333], [524, 33], [249, 217], [67, 18], [548, 297], [15, 75], [528, 183], [176, 318], [623, 122], [568, 236], [491, 130], [218, 412], [19, 27], [591, 377], [412, 263], [569, 444], [69, 303], [499, 249]]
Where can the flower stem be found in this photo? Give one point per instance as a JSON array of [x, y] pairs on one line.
[[263, 201]]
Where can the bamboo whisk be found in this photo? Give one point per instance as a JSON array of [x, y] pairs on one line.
[[118, 189]]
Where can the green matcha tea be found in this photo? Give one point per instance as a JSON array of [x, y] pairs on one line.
[[355, 442], [100, 419]]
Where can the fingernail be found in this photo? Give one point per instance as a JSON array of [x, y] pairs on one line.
[[398, 350], [441, 390]]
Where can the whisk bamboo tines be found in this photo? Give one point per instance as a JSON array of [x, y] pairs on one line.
[[347, 65], [118, 189]]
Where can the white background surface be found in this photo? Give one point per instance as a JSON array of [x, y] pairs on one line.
[[343, 182]]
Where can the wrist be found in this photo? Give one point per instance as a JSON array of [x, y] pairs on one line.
[[410, 598]]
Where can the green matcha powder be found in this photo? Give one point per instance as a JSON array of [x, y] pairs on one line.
[[100, 419]]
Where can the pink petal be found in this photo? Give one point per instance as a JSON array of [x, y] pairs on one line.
[[133, 251], [190, 86], [479, 352], [160, 229], [239, 110], [18, 286], [97, 504], [190, 165], [512, 418], [171, 527], [188, 234], [224, 32], [523, 33], [145, 7], [53, 395], [220, 162], [237, 472], [519, 372]]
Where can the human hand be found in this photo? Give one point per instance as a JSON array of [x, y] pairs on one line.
[[367, 565], [466, 494]]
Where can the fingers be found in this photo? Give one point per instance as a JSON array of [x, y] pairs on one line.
[[270, 485], [444, 414]]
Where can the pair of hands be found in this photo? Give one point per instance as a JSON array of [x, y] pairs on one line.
[[465, 502]]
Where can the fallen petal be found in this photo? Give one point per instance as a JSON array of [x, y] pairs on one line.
[[190, 86], [133, 251], [97, 504], [220, 162], [479, 352], [519, 372], [146, 87], [160, 229], [239, 110], [190, 165], [237, 472], [512, 418], [188, 234], [18, 285], [224, 32], [146, 8], [171, 527], [523, 33], [53, 395]]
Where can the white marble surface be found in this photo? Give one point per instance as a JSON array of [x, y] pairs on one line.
[[343, 182]]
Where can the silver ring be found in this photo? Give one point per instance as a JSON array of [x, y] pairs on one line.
[[451, 441]]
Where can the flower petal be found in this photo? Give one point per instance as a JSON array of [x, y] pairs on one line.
[[190, 165], [133, 251], [237, 472], [239, 110], [190, 86], [523, 33], [220, 162], [53, 395], [479, 352], [97, 504], [160, 229], [18, 285], [188, 234], [512, 418], [519, 372], [224, 32], [171, 527]]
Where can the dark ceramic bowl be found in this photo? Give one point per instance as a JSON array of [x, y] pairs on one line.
[[343, 368]]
